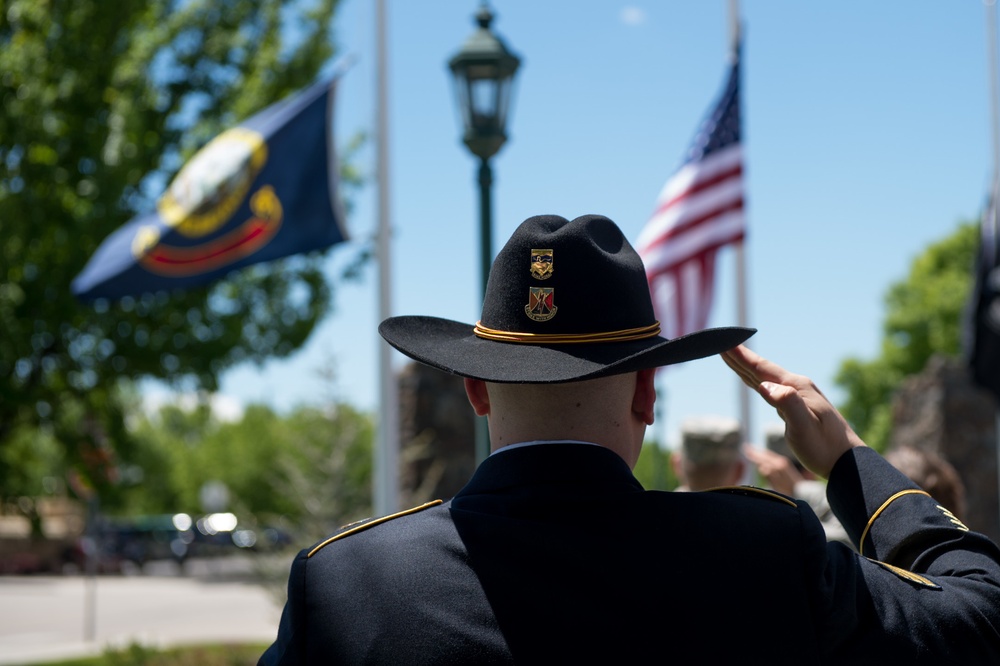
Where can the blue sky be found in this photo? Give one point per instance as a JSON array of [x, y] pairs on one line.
[[867, 134]]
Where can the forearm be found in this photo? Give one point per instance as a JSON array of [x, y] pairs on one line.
[[886, 514], [924, 585]]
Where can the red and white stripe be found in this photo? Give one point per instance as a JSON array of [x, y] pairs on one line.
[[699, 211]]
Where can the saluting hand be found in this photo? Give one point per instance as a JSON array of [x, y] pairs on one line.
[[814, 429], [779, 471]]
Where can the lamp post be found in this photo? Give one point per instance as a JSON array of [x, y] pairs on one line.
[[483, 72]]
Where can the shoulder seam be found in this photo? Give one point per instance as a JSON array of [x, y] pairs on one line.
[[372, 523], [752, 491]]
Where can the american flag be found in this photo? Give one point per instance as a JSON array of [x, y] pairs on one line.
[[699, 210]]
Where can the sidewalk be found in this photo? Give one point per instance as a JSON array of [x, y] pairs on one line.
[[47, 618]]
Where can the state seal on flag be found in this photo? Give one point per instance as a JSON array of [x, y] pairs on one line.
[[248, 237], [200, 203], [212, 185]]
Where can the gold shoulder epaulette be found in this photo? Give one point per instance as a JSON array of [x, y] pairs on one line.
[[354, 528], [752, 491]]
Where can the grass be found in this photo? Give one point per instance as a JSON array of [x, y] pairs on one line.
[[198, 655]]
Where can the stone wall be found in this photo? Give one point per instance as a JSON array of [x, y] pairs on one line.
[[943, 411], [437, 435]]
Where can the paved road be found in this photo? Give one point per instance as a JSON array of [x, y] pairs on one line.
[[45, 618]]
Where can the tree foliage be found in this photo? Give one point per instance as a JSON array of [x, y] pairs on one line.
[[310, 468], [100, 104], [654, 469], [924, 315]]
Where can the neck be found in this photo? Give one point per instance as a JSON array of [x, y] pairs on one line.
[[597, 411]]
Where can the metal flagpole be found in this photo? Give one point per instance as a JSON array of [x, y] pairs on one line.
[[741, 270], [386, 482], [992, 57]]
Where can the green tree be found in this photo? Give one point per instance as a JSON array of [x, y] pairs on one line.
[[654, 469], [310, 468], [923, 317], [100, 104], [156, 477]]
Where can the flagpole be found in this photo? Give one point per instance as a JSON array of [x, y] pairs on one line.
[[741, 269], [992, 57], [734, 27], [386, 482]]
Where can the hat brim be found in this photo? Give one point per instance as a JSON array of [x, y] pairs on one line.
[[453, 347]]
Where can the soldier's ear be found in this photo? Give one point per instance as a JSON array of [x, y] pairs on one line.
[[479, 397], [645, 395]]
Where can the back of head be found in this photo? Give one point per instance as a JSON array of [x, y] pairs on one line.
[[710, 452]]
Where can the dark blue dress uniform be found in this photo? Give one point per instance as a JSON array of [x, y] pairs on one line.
[[555, 554]]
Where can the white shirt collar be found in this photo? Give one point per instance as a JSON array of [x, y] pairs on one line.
[[521, 445]]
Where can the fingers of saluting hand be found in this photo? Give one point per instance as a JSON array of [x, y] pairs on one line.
[[773, 382], [761, 375], [777, 386], [753, 368], [813, 428], [738, 358], [760, 457], [736, 364]]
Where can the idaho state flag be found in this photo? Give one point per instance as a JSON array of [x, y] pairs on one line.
[[260, 191]]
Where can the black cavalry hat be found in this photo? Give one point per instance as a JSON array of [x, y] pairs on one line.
[[565, 301]]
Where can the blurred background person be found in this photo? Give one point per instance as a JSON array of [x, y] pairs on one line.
[[933, 473], [782, 471], [709, 455]]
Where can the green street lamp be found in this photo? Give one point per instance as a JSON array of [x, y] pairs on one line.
[[484, 75]]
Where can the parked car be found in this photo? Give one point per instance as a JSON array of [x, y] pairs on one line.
[[117, 545]]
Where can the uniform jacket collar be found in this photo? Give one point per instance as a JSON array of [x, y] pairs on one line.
[[558, 464]]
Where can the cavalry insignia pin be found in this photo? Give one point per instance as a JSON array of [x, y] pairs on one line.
[[541, 264], [541, 305]]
